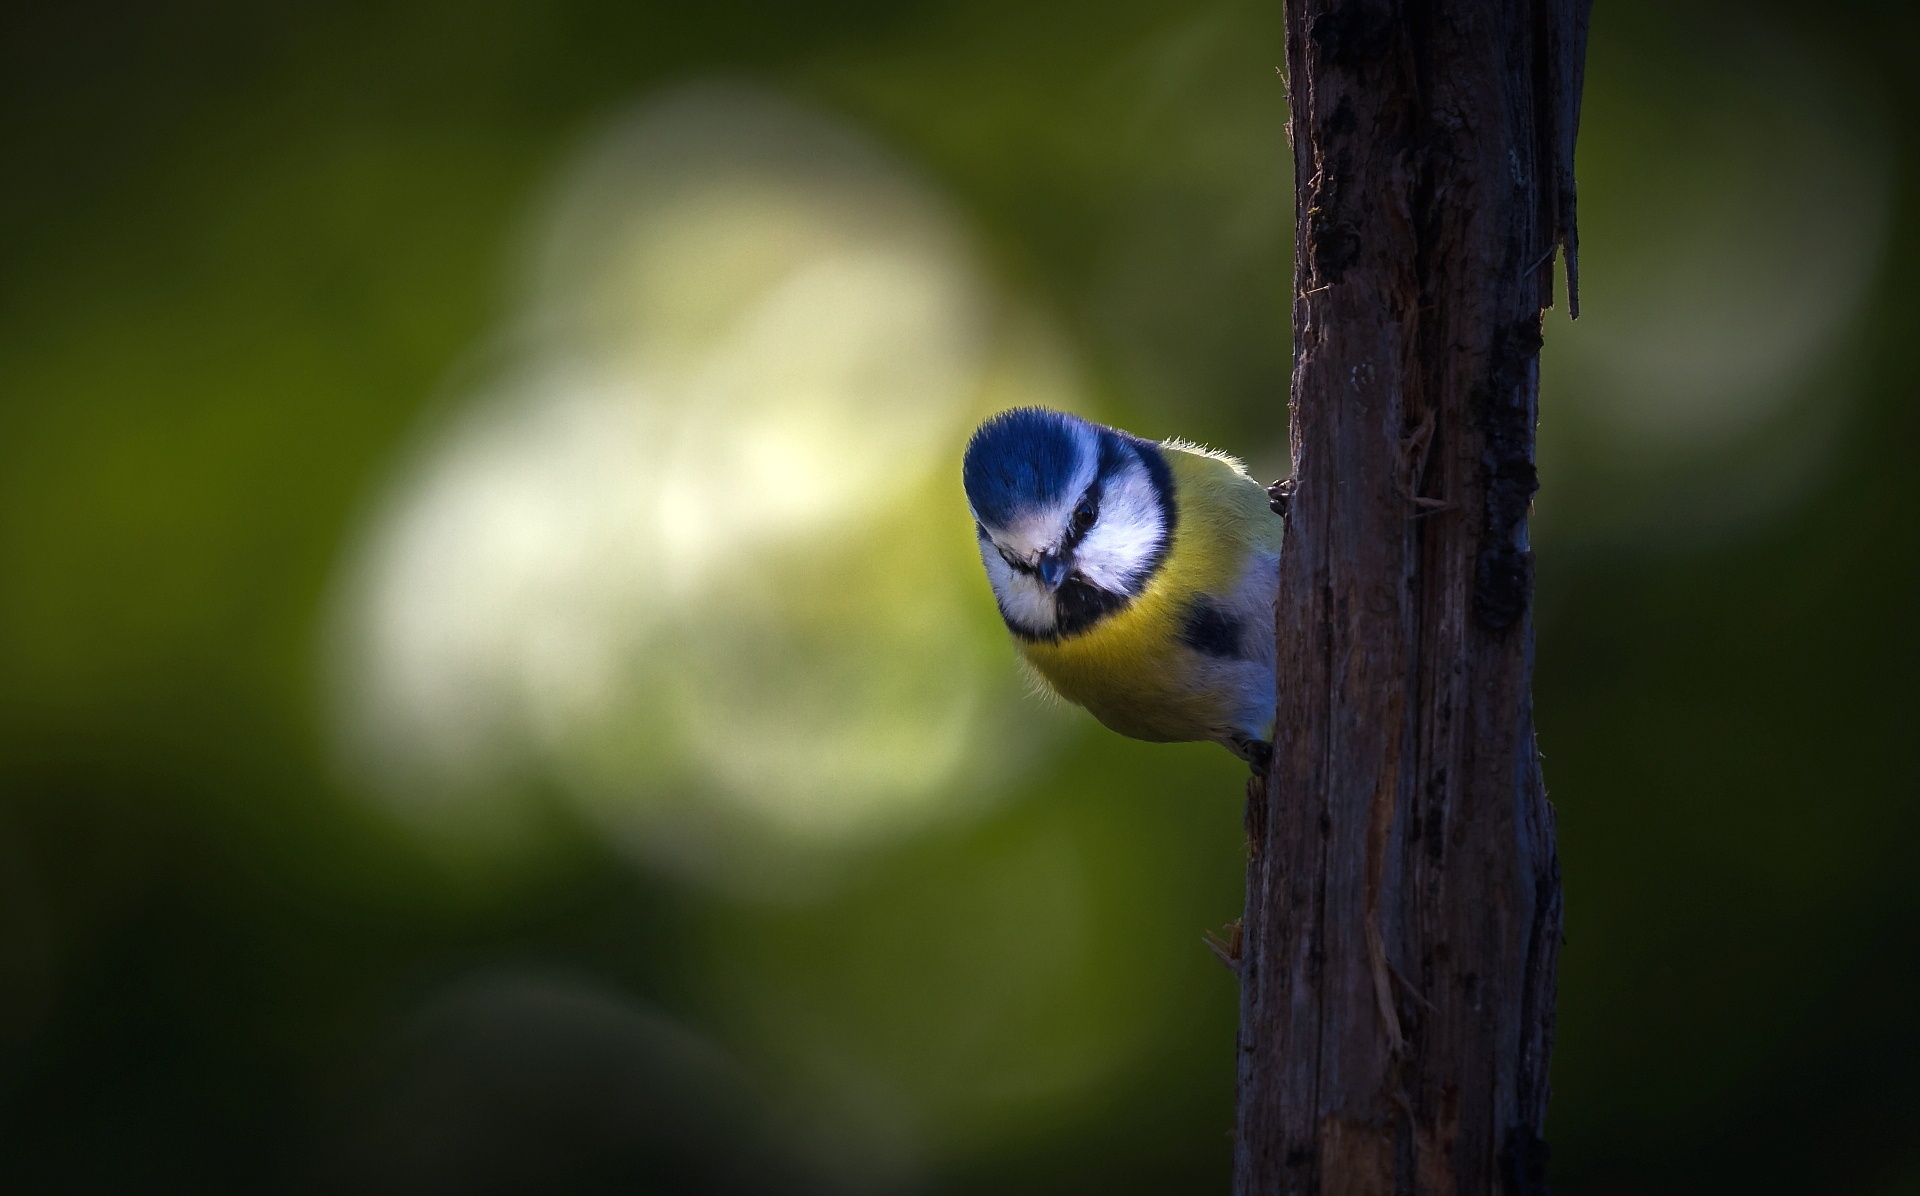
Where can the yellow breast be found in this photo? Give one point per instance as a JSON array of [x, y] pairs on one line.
[[1132, 670]]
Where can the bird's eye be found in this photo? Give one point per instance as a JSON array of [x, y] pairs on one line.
[[1083, 517]]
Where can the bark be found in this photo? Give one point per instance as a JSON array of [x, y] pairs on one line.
[[1403, 895]]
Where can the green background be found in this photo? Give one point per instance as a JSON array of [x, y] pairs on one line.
[[242, 248]]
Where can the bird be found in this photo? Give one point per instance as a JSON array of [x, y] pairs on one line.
[[1136, 577]]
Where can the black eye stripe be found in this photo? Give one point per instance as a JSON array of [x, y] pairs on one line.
[[1015, 563], [1084, 516]]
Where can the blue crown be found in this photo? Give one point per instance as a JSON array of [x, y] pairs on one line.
[[1020, 459]]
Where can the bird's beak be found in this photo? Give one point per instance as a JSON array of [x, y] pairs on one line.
[[1053, 569]]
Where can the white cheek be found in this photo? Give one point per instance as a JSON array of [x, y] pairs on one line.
[[1130, 530], [1022, 598]]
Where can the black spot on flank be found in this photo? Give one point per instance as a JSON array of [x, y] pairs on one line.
[[1210, 631]]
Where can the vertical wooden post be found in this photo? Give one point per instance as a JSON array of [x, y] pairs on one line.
[[1403, 895]]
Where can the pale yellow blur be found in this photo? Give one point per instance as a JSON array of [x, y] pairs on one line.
[[694, 556]]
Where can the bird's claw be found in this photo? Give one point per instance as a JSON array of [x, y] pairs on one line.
[[1280, 495], [1258, 753]]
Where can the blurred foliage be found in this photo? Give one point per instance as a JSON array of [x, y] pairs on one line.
[[253, 257]]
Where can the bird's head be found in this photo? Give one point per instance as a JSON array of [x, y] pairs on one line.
[[1073, 518]]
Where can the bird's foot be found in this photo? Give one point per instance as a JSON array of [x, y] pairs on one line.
[[1280, 495], [1258, 753]]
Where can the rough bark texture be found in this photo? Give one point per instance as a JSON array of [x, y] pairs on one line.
[[1403, 896]]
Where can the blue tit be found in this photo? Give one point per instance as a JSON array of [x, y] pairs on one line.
[[1137, 578]]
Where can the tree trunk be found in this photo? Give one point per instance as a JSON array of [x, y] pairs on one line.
[[1403, 896]]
